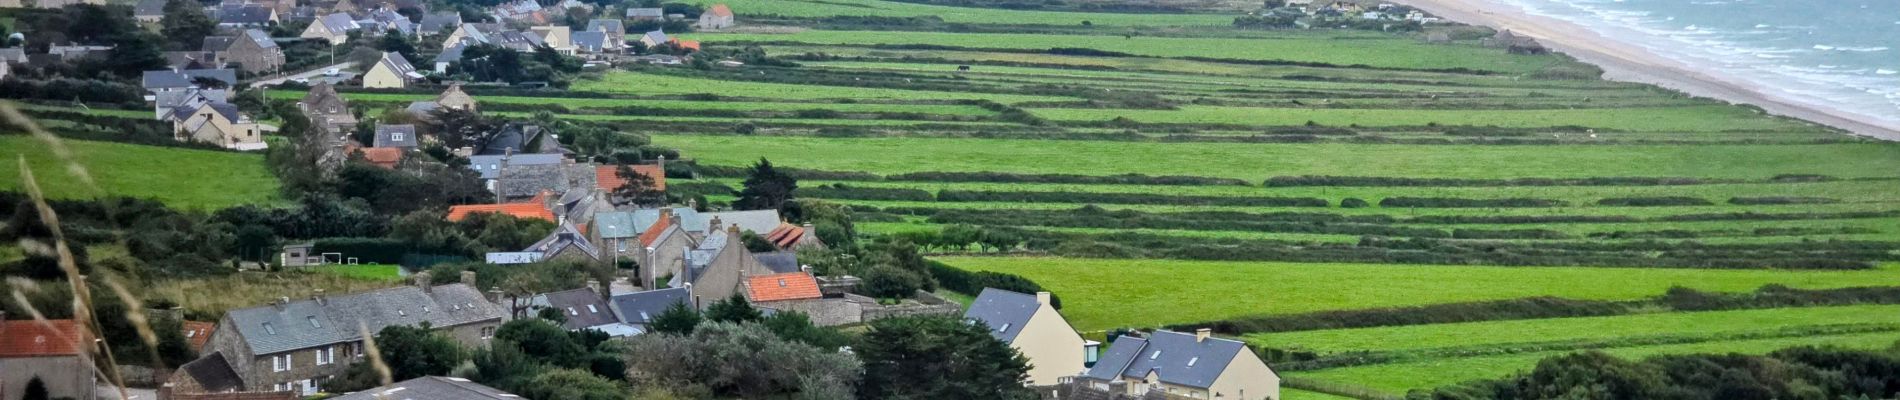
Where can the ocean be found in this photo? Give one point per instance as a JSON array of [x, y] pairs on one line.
[[1841, 54]]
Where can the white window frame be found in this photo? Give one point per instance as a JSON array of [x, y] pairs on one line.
[[280, 363], [395, 136], [326, 355]]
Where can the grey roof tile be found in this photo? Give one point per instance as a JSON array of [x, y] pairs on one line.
[[213, 373], [641, 307], [1175, 357], [309, 323], [583, 308], [403, 135], [779, 261], [1004, 311], [431, 388]]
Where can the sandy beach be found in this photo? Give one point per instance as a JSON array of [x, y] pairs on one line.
[[1624, 62]]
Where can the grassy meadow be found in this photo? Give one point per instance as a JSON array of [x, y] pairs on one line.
[[183, 178]]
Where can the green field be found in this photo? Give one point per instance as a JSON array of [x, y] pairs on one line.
[[1096, 292], [1668, 119], [828, 8], [1574, 329], [191, 179], [649, 84], [372, 272]]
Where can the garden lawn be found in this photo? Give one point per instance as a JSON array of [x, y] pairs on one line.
[[969, 15], [1256, 162], [1287, 393], [181, 178], [1401, 377], [636, 83], [1108, 293], [1707, 323], [372, 272], [1322, 46], [1668, 119]]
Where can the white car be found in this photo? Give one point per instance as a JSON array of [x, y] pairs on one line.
[[301, 81], [331, 72]]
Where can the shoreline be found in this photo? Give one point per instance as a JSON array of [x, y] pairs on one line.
[[1629, 63]]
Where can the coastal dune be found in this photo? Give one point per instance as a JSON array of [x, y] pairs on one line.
[[1625, 62]]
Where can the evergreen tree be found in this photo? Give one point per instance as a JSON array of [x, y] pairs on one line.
[[35, 390], [414, 352], [938, 358], [733, 309], [185, 24], [396, 42], [678, 319], [765, 188], [638, 190]]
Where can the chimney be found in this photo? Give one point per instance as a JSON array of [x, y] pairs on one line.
[[662, 164], [666, 214], [1200, 335], [593, 284], [422, 281], [494, 294], [805, 268], [468, 278], [1042, 298], [714, 225], [733, 229], [317, 296]]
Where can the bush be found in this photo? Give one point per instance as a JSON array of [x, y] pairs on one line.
[[1376, 181], [1653, 201], [1123, 179], [1781, 200], [972, 283], [1452, 202], [887, 282], [1354, 202]]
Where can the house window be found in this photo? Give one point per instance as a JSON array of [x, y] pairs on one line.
[[1156, 355], [395, 136], [326, 356], [280, 363], [488, 332], [1191, 361], [570, 311], [592, 310]]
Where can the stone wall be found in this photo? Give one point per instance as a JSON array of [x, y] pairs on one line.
[[921, 303]]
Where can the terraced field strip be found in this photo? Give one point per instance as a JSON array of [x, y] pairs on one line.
[[1402, 377], [1256, 162], [637, 83], [1673, 119], [968, 15], [685, 105], [1417, 337], [1326, 47], [181, 178], [1205, 82], [106, 112], [1581, 196], [728, 121], [1097, 293], [1653, 214]]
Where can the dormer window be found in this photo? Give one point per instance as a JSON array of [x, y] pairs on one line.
[[395, 136], [592, 310], [401, 313], [570, 311]]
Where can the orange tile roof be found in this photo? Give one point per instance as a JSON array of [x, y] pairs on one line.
[[385, 157], [607, 177], [720, 10], [518, 210], [198, 333], [27, 338], [780, 287], [785, 235], [653, 233], [690, 44]]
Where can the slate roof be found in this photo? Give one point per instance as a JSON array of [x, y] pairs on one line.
[[13, 55], [431, 388], [247, 14], [518, 210], [518, 180], [757, 221], [390, 20], [450, 55], [226, 110], [1173, 356], [170, 79], [782, 287], [396, 63], [213, 373], [386, 136], [615, 225], [608, 25], [779, 261], [32, 338], [590, 41], [656, 36], [149, 8], [307, 323], [489, 166], [563, 238], [217, 43], [261, 38], [583, 308], [646, 13], [517, 136], [1004, 311], [607, 177], [639, 308], [518, 40], [337, 23], [437, 22]]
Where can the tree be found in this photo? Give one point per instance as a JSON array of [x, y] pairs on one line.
[[459, 128], [638, 190], [396, 42], [765, 188], [796, 326], [886, 282], [414, 352], [542, 341], [733, 309], [938, 358], [552, 314], [185, 24], [740, 361], [757, 244], [35, 390], [571, 384], [678, 319]]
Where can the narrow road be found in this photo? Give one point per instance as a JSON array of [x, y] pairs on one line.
[[302, 75]]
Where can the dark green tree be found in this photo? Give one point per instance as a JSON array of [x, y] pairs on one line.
[[552, 314], [542, 341], [572, 384], [733, 309], [886, 282], [639, 190], [678, 319], [757, 244], [185, 24], [765, 188], [938, 358], [414, 352], [396, 42], [796, 326]]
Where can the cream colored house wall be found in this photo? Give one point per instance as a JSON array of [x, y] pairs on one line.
[[1052, 346], [381, 77], [317, 31], [1247, 378]]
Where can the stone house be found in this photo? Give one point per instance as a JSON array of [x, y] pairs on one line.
[[295, 345], [252, 51], [566, 243], [391, 72], [401, 136], [1196, 366], [52, 352], [211, 378], [717, 17], [645, 14], [558, 37], [246, 16], [1031, 325]]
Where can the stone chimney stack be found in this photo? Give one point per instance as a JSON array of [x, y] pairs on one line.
[[714, 225], [1200, 335], [662, 164], [494, 294], [421, 280], [593, 285], [733, 229], [468, 278], [1043, 298]]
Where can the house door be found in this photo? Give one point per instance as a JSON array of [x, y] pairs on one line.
[[306, 387]]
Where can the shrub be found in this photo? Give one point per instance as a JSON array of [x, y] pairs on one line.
[[887, 282], [1781, 200], [1354, 202], [1452, 202], [842, 191], [1124, 198], [1653, 201]]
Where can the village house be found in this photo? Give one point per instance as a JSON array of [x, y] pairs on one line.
[[45, 3], [717, 17], [795, 237], [391, 72], [246, 16], [560, 38], [528, 11], [252, 51], [295, 345], [654, 38], [401, 136], [566, 243], [1031, 325], [448, 56], [717, 268], [583, 308], [161, 81], [452, 98], [210, 377], [431, 388], [334, 28], [637, 310], [382, 22], [530, 209], [467, 33], [382, 157], [782, 291], [217, 123], [1197, 366], [439, 23], [164, 103], [52, 352], [197, 333], [149, 11]]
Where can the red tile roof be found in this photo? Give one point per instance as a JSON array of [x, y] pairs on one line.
[[198, 333], [785, 235], [26, 338], [518, 210], [780, 287], [607, 177], [688, 44], [720, 10], [385, 157], [653, 233]]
